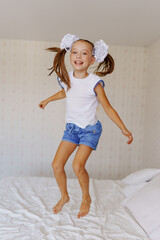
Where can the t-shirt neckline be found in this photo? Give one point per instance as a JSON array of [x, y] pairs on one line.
[[80, 78]]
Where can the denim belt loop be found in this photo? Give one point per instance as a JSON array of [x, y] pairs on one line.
[[71, 129]]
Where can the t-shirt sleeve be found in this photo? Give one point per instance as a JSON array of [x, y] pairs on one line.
[[96, 82], [62, 84]]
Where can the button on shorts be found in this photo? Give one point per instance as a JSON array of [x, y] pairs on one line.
[[88, 136]]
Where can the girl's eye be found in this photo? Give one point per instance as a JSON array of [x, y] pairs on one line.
[[74, 52], [84, 53]]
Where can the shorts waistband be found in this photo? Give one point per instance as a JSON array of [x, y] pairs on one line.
[[72, 127]]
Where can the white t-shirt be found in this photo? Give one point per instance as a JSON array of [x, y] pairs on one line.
[[81, 100]]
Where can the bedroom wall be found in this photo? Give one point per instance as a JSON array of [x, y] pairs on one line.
[[29, 136], [152, 126]]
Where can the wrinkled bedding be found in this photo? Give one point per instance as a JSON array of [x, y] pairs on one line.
[[26, 211]]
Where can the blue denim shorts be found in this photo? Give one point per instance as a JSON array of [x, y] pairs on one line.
[[88, 136]]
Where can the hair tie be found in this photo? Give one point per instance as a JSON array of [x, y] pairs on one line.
[[100, 51], [67, 41]]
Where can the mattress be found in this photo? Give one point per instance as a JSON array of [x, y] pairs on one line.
[[26, 211]]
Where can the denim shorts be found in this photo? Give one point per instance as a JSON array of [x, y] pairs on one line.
[[88, 136]]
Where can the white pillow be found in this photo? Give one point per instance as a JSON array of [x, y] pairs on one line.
[[145, 205], [141, 176], [130, 190], [155, 235]]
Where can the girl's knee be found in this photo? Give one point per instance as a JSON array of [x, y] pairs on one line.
[[57, 167], [78, 168]]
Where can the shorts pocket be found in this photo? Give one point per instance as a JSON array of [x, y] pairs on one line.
[[96, 128]]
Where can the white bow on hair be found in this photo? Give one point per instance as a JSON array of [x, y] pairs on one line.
[[100, 49]]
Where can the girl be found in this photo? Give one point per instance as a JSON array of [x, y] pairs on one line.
[[82, 91]]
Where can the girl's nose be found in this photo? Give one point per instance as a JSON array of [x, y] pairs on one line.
[[78, 55]]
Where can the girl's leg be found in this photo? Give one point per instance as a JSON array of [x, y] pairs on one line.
[[64, 150], [79, 162]]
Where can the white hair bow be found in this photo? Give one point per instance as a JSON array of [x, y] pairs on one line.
[[67, 41], [100, 49]]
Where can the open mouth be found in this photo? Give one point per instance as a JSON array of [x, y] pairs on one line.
[[78, 63]]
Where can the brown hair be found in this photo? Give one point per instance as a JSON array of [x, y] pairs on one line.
[[59, 65], [104, 68]]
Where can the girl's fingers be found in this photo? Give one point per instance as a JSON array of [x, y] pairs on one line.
[[40, 105], [130, 138], [128, 134]]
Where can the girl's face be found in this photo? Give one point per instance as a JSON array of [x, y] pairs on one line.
[[81, 56]]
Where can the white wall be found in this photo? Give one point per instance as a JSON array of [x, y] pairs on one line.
[[29, 136], [152, 123]]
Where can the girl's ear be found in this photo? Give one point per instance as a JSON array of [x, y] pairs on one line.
[[92, 60]]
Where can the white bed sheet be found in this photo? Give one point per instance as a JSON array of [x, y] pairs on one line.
[[26, 211]]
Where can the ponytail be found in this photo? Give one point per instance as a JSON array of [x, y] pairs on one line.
[[105, 67], [59, 65]]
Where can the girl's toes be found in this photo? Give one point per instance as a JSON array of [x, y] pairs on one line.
[[84, 213]]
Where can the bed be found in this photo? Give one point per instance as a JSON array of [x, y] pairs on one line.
[[26, 211]]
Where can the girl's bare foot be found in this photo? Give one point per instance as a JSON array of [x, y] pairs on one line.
[[58, 207], [85, 206]]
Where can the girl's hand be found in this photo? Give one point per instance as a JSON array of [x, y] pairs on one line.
[[43, 104], [127, 134]]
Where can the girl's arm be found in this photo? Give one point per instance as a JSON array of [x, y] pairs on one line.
[[113, 115], [57, 96]]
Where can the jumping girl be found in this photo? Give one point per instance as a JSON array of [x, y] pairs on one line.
[[83, 91]]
